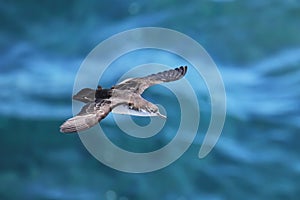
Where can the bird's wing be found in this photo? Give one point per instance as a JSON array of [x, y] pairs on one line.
[[138, 85], [90, 115], [86, 95]]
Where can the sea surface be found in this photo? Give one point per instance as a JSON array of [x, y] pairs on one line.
[[256, 46]]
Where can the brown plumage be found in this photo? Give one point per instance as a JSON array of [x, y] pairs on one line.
[[124, 98]]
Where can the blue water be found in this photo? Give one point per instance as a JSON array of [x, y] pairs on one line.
[[256, 46]]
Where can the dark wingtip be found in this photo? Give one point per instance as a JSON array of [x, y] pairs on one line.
[[182, 69]]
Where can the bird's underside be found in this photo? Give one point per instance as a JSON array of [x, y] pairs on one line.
[[123, 98]]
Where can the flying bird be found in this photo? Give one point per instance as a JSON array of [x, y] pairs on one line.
[[123, 98]]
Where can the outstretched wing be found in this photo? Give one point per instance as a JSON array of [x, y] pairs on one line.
[[85, 95], [89, 116], [138, 85]]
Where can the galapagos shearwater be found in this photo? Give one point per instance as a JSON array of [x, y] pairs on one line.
[[123, 98]]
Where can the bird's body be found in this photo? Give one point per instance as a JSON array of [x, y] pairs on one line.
[[124, 98]]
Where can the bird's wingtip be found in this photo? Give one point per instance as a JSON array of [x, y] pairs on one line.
[[65, 129]]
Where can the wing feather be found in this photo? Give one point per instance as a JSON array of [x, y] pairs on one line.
[[140, 84], [89, 116]]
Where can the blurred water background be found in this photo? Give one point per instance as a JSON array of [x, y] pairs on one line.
[[256, 46]]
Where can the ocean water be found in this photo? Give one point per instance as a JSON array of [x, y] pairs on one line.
[[256, 46]]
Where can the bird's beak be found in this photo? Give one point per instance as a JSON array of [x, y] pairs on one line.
[[161, 116]]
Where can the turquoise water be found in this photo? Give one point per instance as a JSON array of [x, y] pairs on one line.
[[256, 46]]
